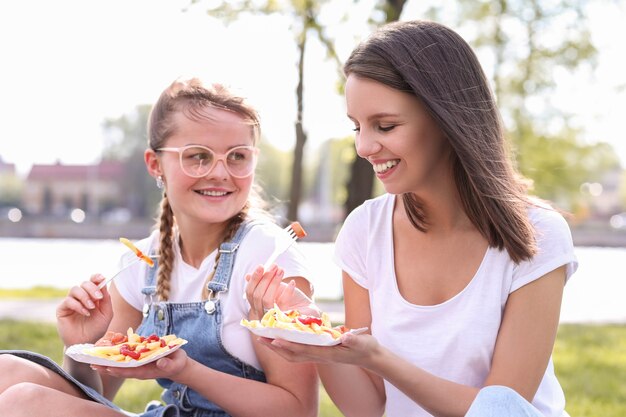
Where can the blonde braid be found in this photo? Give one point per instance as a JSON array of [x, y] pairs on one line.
[[231, 229], [166, 250]]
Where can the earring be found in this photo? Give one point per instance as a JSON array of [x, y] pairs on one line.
[[159, 182]]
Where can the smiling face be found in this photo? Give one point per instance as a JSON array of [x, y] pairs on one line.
[[396, 134], [217, 196]]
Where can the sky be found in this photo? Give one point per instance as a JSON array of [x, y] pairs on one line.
[[67, 65]]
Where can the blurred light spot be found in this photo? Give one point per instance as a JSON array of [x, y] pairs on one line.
[[595, 189], [77, 216], [618, 221], [14, 215], [592, 188]]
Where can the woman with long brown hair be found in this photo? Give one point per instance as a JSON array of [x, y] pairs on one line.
[[457, 270]]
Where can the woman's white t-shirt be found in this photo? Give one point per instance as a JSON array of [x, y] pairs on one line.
[[455, 339], [187, 282]]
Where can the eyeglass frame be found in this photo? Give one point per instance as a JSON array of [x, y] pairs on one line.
[[218, 157]]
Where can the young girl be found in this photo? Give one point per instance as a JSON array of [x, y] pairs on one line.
[[202, 153], [458, 273]]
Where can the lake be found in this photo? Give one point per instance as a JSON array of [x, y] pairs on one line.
[[594, 294]]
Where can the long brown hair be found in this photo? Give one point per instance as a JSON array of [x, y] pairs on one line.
[[191, 97], [435, 64]]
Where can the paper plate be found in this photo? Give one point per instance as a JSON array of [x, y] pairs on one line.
[[298, 336], [76, 352]]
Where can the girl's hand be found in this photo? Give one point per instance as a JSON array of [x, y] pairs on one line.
[[360, 350], [167, 367], [265, 288], [83, 316]]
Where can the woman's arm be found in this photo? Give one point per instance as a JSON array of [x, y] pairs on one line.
[[523, 348], [527, 334], [364, 395]]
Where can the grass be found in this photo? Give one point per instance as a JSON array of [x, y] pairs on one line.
[[34, 292], [590, 362]]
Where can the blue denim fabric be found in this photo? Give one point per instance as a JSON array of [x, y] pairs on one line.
[[500, 401], [200, 323], [195, 322]]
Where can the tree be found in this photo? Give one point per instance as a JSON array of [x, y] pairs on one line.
[[128, 139], [304, 14], [529, 42]]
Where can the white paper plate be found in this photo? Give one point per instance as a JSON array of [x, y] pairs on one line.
[[76, 352], [298, 336]]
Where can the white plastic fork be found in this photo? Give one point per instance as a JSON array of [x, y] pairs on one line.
[[294, 231], [109, 279], [285, 240]]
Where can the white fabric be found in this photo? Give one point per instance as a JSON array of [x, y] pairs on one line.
[[454, 339], [187, 282]]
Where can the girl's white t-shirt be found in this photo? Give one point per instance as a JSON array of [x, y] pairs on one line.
[[187, 282], [455, 339]]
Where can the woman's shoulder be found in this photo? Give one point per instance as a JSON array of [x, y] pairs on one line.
[[546, 218], [373, 206]]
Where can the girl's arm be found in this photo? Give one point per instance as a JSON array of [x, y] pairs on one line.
[[291, 389], [124, 316]]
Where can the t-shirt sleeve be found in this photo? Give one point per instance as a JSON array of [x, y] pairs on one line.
[[351, 246], [555, 248]]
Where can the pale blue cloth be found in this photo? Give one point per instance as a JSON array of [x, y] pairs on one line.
[[500, 401]]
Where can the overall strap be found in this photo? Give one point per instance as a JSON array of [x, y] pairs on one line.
[[150, 281], [228, 250], [149, 288]]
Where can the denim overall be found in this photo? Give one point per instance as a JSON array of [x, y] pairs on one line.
[[200, 323]]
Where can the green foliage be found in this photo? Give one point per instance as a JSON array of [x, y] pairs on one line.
[[622, 189], [558, 164], [273, 170], [517, 39], [332, 169], [10, 190], [128, 139]]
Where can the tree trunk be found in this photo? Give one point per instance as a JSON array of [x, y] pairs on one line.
[[295, 193], [360, 185]]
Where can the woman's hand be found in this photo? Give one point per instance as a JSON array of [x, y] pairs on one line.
[[361, 350], [265, 288], [83, 316]]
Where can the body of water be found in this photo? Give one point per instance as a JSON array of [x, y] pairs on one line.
[[594, 294]]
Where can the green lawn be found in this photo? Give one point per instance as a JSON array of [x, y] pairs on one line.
[[590, 362], [34, 292]]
